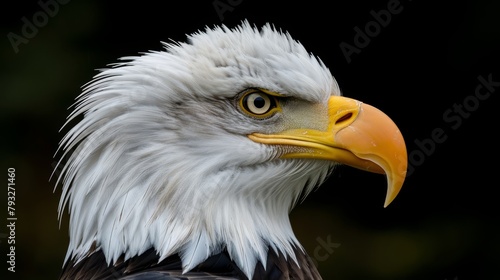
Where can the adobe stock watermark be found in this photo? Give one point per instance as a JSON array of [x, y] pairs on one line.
[[40, 19], [11, 219], [363, 35], [223, 6], [453, 117], [323, 250]]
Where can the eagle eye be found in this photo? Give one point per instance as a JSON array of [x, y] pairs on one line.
[[259, 104]]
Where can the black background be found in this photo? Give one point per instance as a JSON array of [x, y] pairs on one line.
[[423, 63]]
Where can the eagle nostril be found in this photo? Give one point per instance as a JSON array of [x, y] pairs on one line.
[[344, 118]]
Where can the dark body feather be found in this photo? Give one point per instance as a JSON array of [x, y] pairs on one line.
[[220, 266]]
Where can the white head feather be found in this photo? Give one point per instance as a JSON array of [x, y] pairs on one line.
[[161, 158]]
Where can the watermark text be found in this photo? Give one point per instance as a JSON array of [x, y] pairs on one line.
[[11, 219], [30, 27]]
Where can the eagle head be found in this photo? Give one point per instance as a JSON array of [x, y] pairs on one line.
[[207, 145]]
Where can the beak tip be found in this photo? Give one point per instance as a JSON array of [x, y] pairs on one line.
[[389, 199], [387, 202], [393, 189]]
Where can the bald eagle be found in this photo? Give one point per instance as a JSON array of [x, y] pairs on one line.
[[185, 163]]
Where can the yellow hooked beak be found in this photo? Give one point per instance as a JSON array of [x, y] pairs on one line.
[[358, 135]]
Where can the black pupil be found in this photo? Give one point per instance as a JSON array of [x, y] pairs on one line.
[[259, 102]]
